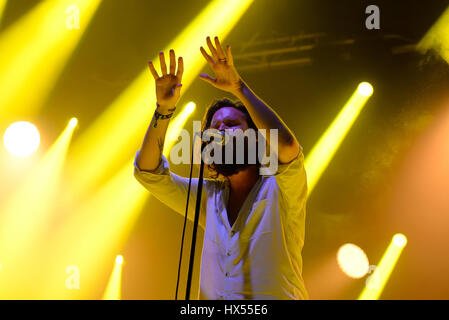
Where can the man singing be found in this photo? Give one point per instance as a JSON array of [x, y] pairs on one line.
[[253, 223]]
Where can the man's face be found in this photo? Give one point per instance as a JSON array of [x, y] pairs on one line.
[[229, 118]]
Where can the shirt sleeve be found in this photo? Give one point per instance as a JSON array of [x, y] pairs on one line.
[[171, 189], [292, 180]]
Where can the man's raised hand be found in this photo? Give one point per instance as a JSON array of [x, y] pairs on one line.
[[226, 76], [168, 86]]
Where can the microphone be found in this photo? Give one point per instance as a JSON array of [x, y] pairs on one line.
[[219, 137]]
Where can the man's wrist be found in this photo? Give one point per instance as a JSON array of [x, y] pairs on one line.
[[162, 109], [161, 115], [238, 91]]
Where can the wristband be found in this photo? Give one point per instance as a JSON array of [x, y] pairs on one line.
[[171, 110], [158, 115]]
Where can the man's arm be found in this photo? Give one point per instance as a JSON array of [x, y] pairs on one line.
[[150, 153], [266, 118], [151, 168], [228, 79], [168, 88]]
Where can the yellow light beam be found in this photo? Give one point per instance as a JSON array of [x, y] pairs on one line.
[[34, 51], [116, 205], [114, 288], [437, 37], [175, 127], [117, 133], [323, 151], [376, 283], [92, 231], [25, 214], [2, 9]]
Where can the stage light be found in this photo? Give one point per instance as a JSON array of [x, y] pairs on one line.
[[399, 240], [437, 38], [190, 107], [119, 259], [73, 122], [21, 138], [175, 127], [352, 261], [27, 212], [34, 51], [376, 282], [114, 288], [323, 151], [365, 89]]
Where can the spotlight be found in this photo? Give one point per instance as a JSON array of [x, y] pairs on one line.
[[352, 261], [114, 288], [119, 259], [365, 89], [322, 153], [379, 278], [73, 122], [190, 107], [399, 240], [21, 138]]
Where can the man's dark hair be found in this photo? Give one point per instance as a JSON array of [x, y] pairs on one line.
[[206, 123], [221, 103]]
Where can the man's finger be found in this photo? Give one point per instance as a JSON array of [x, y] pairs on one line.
[[230, 58], [180, 69], [172, 62], [163, 65], [207, 78], [207, 57], [221, 54], [212, 49], [153, 70]]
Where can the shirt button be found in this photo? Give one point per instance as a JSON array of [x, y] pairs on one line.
[[227, 274]]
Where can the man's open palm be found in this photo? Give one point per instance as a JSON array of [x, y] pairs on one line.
[[168, 86], [226, 76]]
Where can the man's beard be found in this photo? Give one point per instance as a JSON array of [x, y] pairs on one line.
[[229, 169]]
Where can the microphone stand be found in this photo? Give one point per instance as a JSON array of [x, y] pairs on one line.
[[195, 228], [196, 219]]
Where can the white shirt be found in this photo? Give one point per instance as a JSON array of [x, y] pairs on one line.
[[259, 257]]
